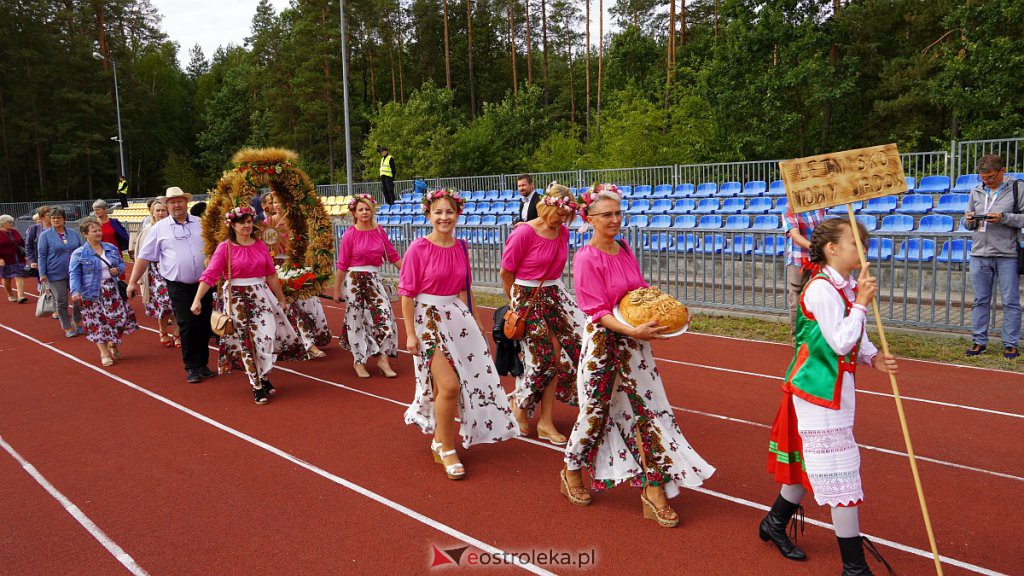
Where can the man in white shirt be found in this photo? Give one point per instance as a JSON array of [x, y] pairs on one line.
[[530, 198]]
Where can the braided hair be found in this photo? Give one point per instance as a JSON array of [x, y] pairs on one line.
[[830, 230]]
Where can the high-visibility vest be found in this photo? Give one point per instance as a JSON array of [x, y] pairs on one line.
[[122, 187], [385, 166]]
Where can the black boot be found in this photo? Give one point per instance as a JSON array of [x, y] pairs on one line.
[[268, 387], [773, 527], [852, 551]]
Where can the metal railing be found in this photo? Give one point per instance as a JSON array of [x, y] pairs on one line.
[[917, 165], [650, 176], [967, 153], [766, 170], [923, 276]]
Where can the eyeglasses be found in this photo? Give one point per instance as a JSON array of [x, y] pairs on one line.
[[185, 232], [609, 215], [991, 176]]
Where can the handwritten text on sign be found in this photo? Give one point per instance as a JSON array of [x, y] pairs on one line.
[[842, 177]]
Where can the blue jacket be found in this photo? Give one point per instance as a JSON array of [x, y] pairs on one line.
[[54, 256], [122, 234], [32, 242], [87, 269]]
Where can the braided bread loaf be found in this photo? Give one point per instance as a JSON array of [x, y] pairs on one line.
[[646, 304]]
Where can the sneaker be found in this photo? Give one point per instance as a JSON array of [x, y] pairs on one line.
[[976, 350], [193, 377], [260, 395], [1010, 352]]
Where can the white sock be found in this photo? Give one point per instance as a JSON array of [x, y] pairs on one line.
[[793, 493], [846, 520]]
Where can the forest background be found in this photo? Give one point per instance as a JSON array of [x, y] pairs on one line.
[[465, 87]]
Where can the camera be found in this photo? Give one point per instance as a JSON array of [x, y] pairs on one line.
[[979, 217]]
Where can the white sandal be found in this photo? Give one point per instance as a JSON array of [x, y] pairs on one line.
[[453, 471]]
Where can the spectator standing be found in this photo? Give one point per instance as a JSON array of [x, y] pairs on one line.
[[387, 174], [42, 224], [994, 215], [122, 192], [12, 259], [529, 198], [55, 248], [176, 244], [798, 229]]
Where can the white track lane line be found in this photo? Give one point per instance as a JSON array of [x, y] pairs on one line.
[[401, 509], [885, 542], [676, 408], [126, 560]]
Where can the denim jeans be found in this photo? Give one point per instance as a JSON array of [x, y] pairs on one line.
[[985, 273]]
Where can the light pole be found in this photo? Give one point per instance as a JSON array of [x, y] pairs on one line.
[[117, 105], [344, 90]]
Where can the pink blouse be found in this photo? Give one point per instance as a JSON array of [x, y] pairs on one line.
[[251, 261], [431, 269], [530, 256], [601, 280], [365, 248]]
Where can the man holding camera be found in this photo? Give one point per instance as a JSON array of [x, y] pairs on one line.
[[994, 215]]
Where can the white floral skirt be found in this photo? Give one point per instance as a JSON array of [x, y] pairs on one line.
[[308, 318], [370, 327], [262, 335], [621, 395], [445, 326]]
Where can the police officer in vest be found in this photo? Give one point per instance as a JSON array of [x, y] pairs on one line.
[[122, 191], [387, 174]]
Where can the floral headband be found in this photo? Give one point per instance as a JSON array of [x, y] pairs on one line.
[[432, 195], [590, 196], [358, 198], [564, 204], [238, 214]]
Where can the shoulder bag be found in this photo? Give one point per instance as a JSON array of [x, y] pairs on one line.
[[122, 286], [514, 326], [469, 290], [222, 324]]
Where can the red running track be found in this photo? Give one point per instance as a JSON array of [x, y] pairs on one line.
[[326, 479]]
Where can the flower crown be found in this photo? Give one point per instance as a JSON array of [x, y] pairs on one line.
[[357, 198], [432, 195], [590, 196], [564, 203], [238, 213]]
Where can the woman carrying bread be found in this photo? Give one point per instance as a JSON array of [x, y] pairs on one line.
[[455, 373], [812, 447], [531, 272], [625, 430]]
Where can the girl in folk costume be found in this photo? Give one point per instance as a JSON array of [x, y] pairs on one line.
[[455, 373], [305, 314], [626, 429], [370, 330], [812, 445], [531, 272], [252, 296]]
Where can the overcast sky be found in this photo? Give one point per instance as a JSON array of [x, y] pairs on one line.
[[209, 23]]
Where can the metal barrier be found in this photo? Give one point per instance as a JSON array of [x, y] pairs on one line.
[[969, 151], [924, 279], [541, 180], [472, 183], [766, 170], [650, 176], [917, 165]]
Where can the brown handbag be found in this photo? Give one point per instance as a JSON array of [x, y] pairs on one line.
[[221, 323], [515, 325]]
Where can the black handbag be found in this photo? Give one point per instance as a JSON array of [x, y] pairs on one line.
[[122, 286], [506, 356]]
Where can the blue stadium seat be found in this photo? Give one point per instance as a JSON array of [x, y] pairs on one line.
[[705, 190], [741, 244], [410, 209], [897, 223], [911, 184], [624, 205], [408, 198], [685, 221], [639, 206], [473, 220], [915, 204], [684, 206], [489, 220], [766, 222], [736, 222], [711, 221], [656, 242], [470, 208], [492, 196], [685, 243], [504, 220], [662, 191], [780, 206], [661, 221], [419, 220], [771, 246], [406, 219], [508, 195], [576, 222], [880, 248], [758, 206], [883, 205], [870, 222], [777, 188], [638, 221], [841, 209], [732, 206], [643, 191], [933, 185], [916, 250], [383, 220], [957, 250], [966, 183], [952, 204], [1016, 175], [729, 189], [660, 206], [754, 188], [384, 209], [712, 244], [936, 223], [684, 191], [625, 191], [706, 206], [476, 196]]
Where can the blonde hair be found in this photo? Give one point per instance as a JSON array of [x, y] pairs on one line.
[[371, 205], [554, 190]]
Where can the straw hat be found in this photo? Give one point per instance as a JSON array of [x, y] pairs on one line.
[[175, 192]]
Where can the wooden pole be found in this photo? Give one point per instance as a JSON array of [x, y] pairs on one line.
[[899, 402]]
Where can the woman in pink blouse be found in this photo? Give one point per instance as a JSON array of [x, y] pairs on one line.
[[626, 429], [455, 373], [531, 272], [262, 331], [369, 330]]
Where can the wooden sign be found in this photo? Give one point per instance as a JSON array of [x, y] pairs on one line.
[[838, 178]]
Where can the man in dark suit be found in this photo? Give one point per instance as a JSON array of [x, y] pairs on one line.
[[530, 198]]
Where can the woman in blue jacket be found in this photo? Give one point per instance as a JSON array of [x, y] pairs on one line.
[[95, 267], [56, 244]]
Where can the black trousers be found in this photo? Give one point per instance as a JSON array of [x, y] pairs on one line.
[[388, 184], [124, 199], [195, 330]]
